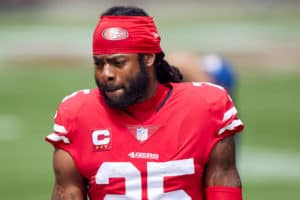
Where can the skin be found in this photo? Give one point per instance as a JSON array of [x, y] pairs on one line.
[[221, 169], [69, 184], [114, 70]]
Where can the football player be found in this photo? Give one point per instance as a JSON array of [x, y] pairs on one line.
[[142, 133]]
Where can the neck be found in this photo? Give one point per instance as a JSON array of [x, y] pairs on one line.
[[150, 91], [152, 85], [149, 106]]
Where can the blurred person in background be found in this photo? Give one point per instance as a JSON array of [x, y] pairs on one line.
[[212, 68], [143, 133]]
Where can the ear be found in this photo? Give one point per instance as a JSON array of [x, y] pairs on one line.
[[149, 59]]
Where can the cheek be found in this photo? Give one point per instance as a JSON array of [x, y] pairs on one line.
[[129, 77], [98, 76]]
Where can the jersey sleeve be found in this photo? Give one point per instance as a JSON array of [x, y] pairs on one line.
[[61, 137], [64, 128], [229, 122], [225, 118]]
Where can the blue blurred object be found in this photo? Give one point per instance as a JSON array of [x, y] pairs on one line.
[[220, 70]]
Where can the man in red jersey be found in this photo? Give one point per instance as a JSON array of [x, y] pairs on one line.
[[142, 135]]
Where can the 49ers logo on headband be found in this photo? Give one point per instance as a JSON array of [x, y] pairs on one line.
[[114, 33]]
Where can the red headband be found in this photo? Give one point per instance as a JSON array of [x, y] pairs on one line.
[[126, 34]]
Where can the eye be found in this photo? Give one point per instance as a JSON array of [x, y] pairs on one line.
[[118, 63], [99, 63]]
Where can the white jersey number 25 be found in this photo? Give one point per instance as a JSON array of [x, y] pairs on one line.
[[156, 172]]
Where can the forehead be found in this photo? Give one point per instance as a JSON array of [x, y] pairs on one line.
[[115, 56]]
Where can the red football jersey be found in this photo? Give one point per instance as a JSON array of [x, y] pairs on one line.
[[159, 152]]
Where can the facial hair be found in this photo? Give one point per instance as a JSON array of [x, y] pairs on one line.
[[132, 94]]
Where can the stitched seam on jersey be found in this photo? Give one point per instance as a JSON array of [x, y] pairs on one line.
[[164, 101]]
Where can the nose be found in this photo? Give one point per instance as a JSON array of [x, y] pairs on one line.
[[108, 72]]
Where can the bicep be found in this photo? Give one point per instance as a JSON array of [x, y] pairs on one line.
[[221, 168], [69, 184]]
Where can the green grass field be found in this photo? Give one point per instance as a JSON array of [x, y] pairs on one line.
[[30, 90]]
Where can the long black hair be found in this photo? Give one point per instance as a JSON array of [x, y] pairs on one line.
[[164, 72]]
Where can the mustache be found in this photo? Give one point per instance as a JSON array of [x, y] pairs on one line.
[[107, 88], [110, 88]]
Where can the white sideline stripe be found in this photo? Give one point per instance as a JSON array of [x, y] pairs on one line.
[[10, 127], [229, 113], [59, 128], [265, 165], [233, 125], [56, 138]]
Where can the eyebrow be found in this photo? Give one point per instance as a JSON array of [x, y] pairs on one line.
[[109, 58], [116, 56]]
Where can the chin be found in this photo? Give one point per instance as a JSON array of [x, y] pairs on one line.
[[115, 101], [116, 95], [120, 101]]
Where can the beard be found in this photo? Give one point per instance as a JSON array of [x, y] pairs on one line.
[[136, 90]]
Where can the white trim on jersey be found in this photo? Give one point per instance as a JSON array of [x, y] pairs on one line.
[[197, 84], [215, 85], [229, 113], [229, 97], [230, 127], [56, 138], [59, 128]]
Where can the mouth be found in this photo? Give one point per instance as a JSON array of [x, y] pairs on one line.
[[113, 90]]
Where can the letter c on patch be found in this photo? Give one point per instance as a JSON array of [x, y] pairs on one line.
[[103, 134]]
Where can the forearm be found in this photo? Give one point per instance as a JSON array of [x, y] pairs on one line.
[[69, 184], [222, 180], [229, 178], [224, 185], [68, 193], [221, 169]]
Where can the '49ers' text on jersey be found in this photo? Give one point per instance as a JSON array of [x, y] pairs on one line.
[[150, 158]]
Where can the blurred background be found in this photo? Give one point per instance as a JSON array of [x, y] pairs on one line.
[[45, 54]]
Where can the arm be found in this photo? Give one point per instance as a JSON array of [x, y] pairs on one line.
[[222, 179], [69, 184], [189, 66], [221, 169]]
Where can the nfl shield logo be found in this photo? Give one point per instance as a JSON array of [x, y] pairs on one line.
[[142, 134]]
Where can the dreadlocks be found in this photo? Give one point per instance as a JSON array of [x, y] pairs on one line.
[[164, 72]]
